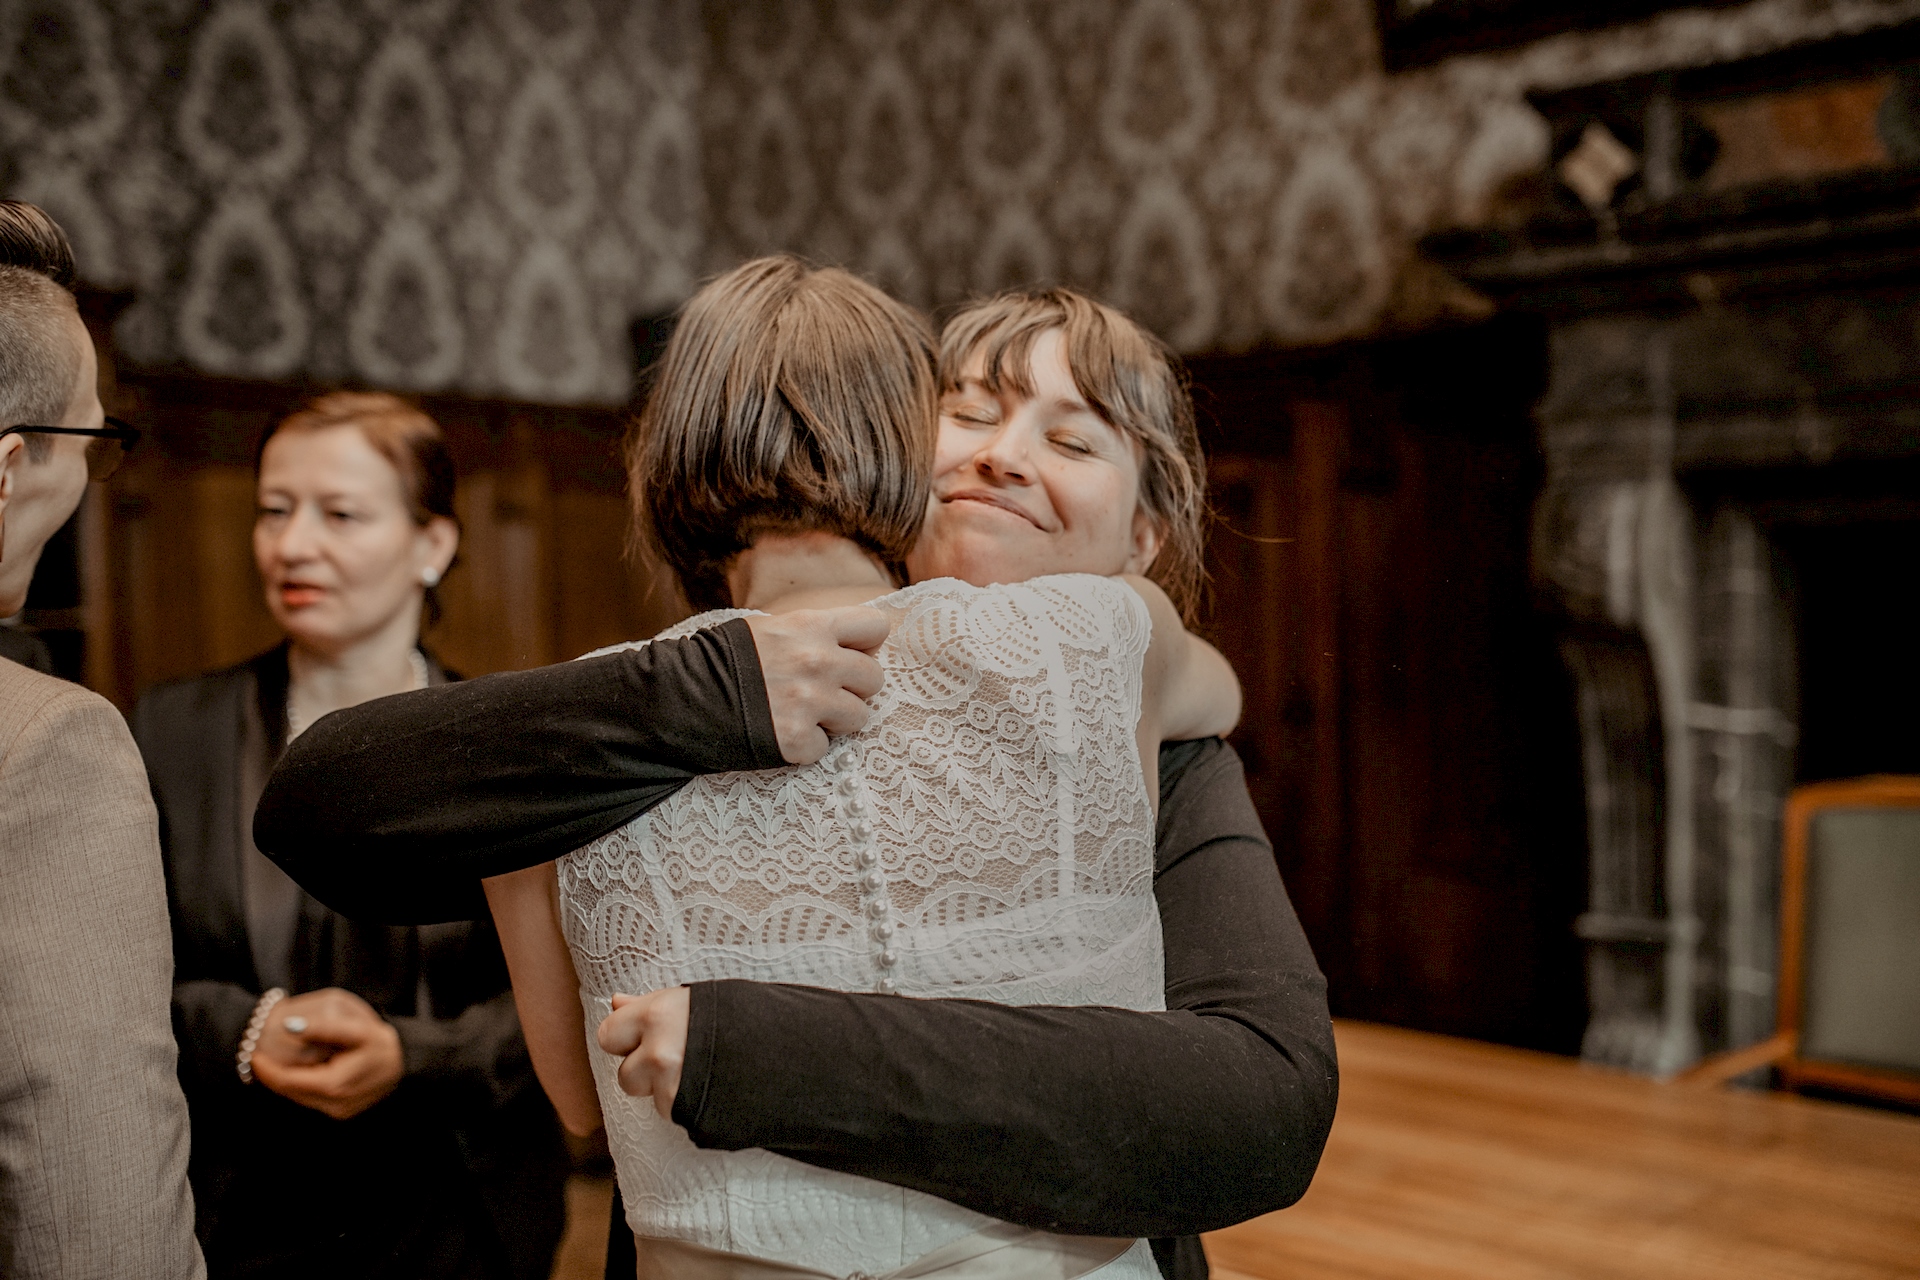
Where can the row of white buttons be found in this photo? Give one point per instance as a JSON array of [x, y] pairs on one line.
[[873, 885]]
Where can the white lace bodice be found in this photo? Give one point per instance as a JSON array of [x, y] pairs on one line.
[[987, 835]]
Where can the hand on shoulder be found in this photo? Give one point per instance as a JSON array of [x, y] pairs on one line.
[[819, 670]]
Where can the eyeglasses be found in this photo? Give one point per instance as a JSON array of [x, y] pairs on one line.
[[105, 452]]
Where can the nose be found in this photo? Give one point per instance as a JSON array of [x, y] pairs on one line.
[[296, 540], [1006, 456]]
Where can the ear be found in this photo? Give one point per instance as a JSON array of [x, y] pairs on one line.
[[1148, 537], [13, 455], [438, 539]]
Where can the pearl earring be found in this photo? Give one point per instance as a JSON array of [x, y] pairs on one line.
[[429, 577]]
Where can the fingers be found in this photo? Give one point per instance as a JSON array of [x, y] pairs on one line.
[[818, 674], [280, 1045], [856, 672], [804, 745], [330, 1019], [857, 627], [323, 1087], [842, 713], [620, 1031], [341, 1087], [644, 1072], [650, 1034], [331, 1025], [351, 1079], [332, 1015]]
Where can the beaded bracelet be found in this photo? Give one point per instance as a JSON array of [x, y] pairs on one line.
[[256, 1027]]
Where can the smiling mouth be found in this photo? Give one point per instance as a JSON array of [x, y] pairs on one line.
[[987, 499]]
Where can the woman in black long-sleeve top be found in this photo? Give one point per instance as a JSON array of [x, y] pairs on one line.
[[1087, 1120], [382, 1119]]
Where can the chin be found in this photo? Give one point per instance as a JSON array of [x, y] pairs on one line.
[[305, 629], [973, 555]]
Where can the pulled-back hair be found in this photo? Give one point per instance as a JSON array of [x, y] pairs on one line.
[[1130, 378], [791, 398]]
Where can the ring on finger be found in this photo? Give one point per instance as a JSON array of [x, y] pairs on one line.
[[295, 1024]]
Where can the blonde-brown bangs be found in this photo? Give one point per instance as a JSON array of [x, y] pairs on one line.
[[1130, 378]]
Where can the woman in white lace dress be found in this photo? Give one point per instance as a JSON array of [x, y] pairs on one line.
[[988, 835]]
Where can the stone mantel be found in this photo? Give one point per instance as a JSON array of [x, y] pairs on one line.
[[1725, 359]]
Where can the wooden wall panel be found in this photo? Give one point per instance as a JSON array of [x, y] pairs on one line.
[[498, 594], [234, 621], [1409, 734], [1252, 596], [603, 595]]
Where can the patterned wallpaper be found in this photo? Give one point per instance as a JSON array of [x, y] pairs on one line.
[[475, 194], [480, 194], [1232, 171]]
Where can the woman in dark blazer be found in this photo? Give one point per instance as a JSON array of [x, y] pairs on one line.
[[361, 1098]]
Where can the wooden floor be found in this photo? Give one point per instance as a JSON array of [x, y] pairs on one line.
[[1454, 1160], [1451, 1158]]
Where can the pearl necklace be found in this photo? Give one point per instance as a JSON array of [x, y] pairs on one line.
[[297, 723]]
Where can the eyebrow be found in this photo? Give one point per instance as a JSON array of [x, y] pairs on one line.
[[1072, 404], [336, 495]]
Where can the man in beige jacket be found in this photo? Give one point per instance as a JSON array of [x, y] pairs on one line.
[[93, 1127]]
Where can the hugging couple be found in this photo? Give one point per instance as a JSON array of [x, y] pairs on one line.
[[1113, 1035]]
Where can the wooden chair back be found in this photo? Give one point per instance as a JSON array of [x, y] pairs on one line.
[[1849, 1003]]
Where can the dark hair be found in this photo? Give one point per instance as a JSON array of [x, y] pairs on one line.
[[1131, 379], [790, 397], [406, 437], [32, 240]]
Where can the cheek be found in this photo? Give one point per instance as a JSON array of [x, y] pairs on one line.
[[952, 449], [1097, 502], [372, 559]]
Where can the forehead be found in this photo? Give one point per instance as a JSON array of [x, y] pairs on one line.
[[1032, 367], [333, 457]]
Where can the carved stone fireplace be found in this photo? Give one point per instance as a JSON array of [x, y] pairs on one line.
[[1730, 524]]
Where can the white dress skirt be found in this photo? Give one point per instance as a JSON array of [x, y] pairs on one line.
[[987, 835]]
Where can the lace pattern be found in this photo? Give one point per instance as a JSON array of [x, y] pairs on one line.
[[987, 835]]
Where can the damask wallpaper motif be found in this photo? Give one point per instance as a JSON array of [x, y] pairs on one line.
[[480, 194], [445, 193], [1233, 171]]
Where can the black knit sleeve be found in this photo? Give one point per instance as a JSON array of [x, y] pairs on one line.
[[394, 810], [1086, 1120]]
